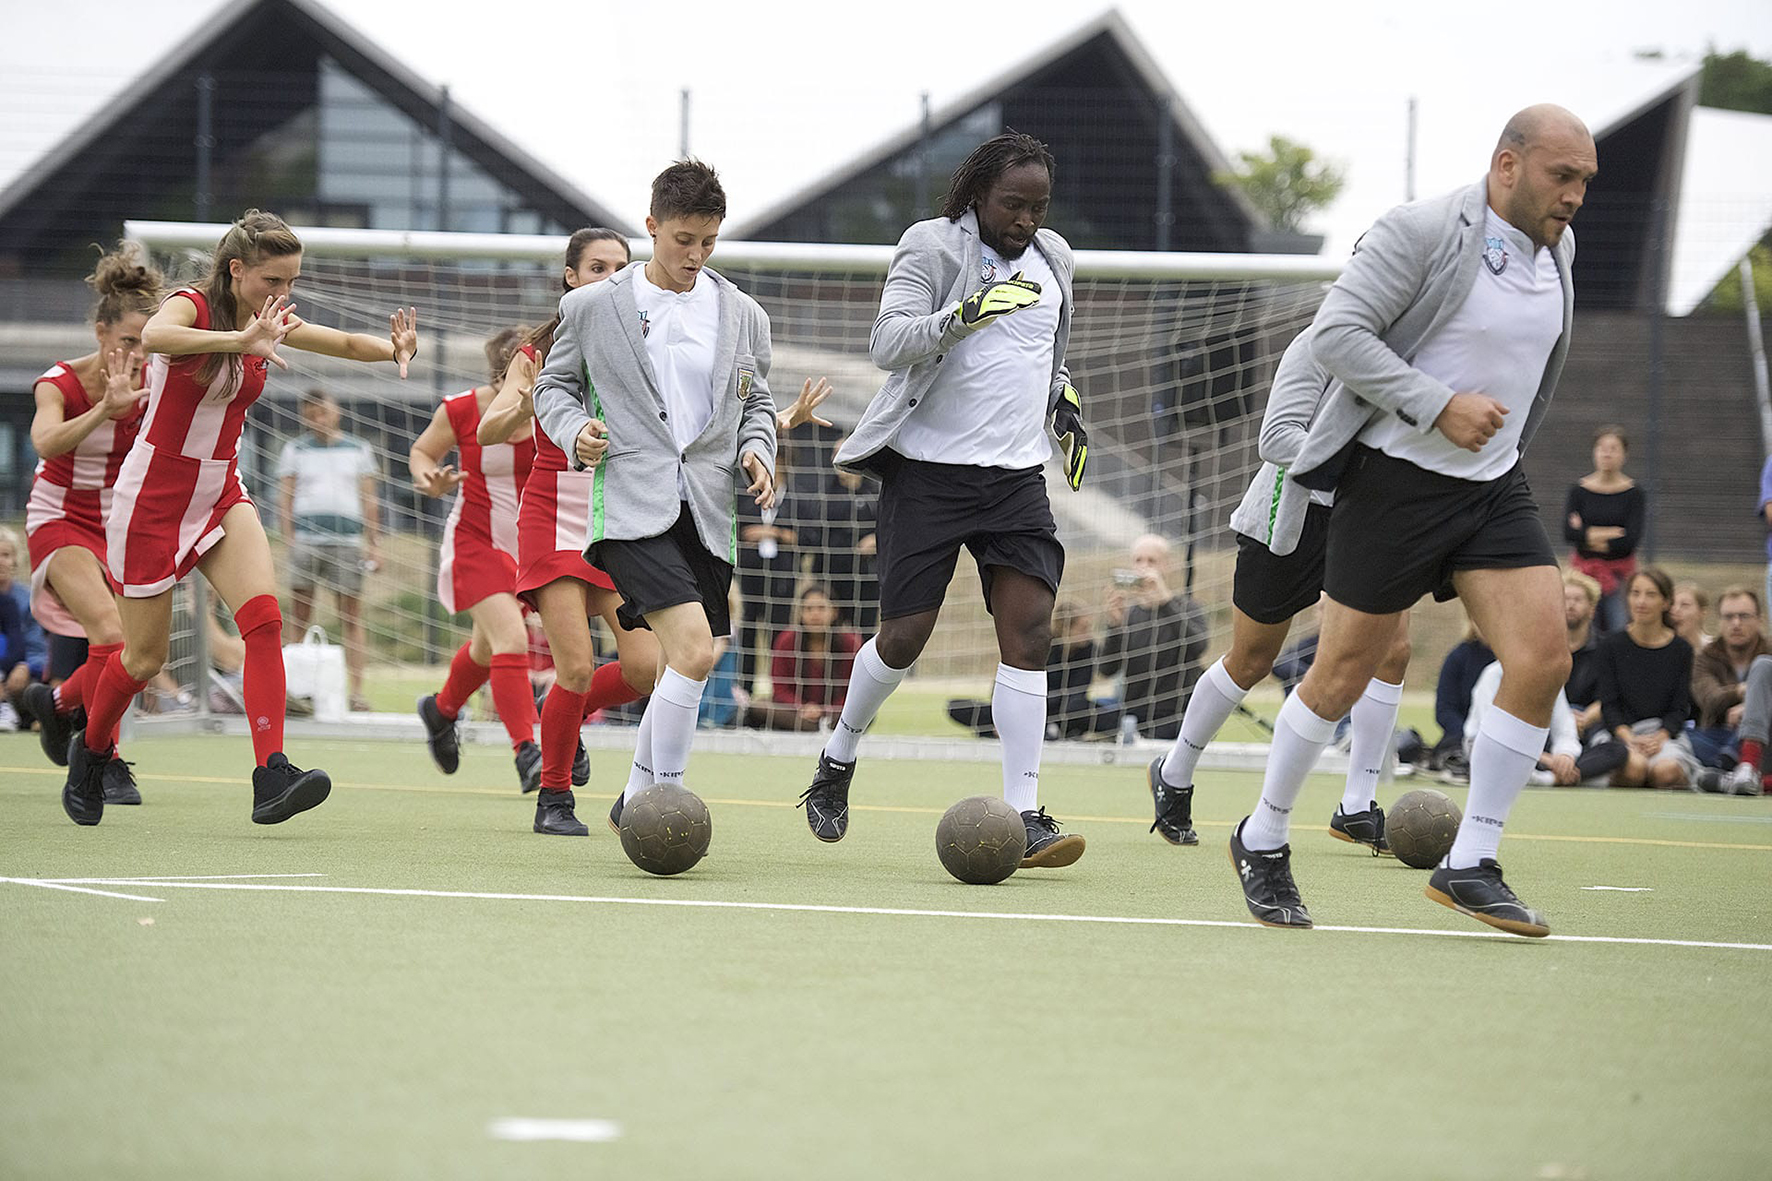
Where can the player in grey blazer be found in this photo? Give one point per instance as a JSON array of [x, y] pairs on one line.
[[974, 321], [1445, 337], [658, 381]]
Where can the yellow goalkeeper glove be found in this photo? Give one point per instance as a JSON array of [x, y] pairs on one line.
[[1067, 424], [995, 299]]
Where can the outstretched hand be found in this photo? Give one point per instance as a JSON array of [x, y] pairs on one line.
[[123, 370], [801, 412], [438, 481], [403, 332], [265, 331]]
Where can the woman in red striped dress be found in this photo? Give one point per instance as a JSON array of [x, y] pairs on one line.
[[477, 568], [88, 413], [179, 504]]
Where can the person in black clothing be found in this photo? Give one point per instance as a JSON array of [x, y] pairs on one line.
[[1070, 670], [769, 549], [1581, 597], [1452, 701], [1156, 638], [1646, 688], [1603, 519], [838, 527]]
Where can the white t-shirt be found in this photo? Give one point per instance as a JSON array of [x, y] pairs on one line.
[[682, 333], [328, 484], [987, 407], [1496, 344]]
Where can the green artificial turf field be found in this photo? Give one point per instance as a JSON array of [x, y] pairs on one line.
[[791, 1009]]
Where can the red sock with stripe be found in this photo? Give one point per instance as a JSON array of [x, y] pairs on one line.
[[70, 695], [108, 694], [466, 675], [512, 696], [265, 687], [608, 689], [561, 714]]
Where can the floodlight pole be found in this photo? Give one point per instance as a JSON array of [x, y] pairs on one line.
[[1750, 306], [683, 124], [204, 141], [1409, 153]]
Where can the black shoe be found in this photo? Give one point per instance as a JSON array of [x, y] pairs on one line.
[[440, 735], [280, 789], [581, 765], [827, 800], [119, 783], [1455, 768], [1175, 807], [554, 816], [1047, 847], [83, 795], [1267, 884], [1361, 828], [53, 729], [615, 812], [1480, 893], [528, 766]]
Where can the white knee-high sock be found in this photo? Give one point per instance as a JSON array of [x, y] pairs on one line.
[[1374, 719], [870, 684], [1215, 698], [640, 772], [1299, 738], [676, 701], [1018, 710], [1502, 759]]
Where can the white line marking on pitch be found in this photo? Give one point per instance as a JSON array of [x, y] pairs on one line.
[[1624, 889], [80, 889], [184, 877], [906, 912], [584, 1131]]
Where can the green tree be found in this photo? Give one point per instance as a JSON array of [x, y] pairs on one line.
[[1725, 297], [1287, 182], [1736, 82]]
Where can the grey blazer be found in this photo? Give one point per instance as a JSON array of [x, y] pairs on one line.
[[598, 368], [1272, 510], [937, 264], [1409, 274]]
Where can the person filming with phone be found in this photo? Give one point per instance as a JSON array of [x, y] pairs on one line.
[[1154, 637]]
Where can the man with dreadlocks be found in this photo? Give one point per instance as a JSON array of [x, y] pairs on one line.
[[973, 325]]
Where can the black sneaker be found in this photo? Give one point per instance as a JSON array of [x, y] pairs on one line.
[[827, 800], [528, 766], [1361, 828], [615, 812], [1047, 847], [581, 765], [1455, 768], [53, 729], [1267, 884], [119, 783], [83, 795], [280, 789], [554, 816], [1175, 807], [440, 735], [1480, 893]]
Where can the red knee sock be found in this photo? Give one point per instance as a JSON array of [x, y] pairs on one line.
[[512, 696], [561, 714], [70, 695], [108, 694], [265, 688], [609, 689], [1752, 752], [466, 675]]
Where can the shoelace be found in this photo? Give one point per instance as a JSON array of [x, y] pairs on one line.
[[1042, 820], [125, 764], [1276, 872], [1170, 817]]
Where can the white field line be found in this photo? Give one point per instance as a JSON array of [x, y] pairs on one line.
[[583, 1131], [79, 889], [186, 877], [906, 912]]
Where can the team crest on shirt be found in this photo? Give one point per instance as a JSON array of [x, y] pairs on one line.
[[1494, 254], [645, 324], [989, 271], [746, 376]]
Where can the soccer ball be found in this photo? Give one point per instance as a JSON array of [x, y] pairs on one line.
[[665, 829], [1420, 827], [981, 840]]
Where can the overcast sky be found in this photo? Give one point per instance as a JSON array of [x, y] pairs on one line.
[[784, 92]]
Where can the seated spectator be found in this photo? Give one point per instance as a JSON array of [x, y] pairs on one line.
[[719, 701], [768, 568], [1155, 638], [1732, 693], [1691, 605], [1452, 701], [1581, 598], [1603, 518], [839, 530], [809, 668], [1070, 669], [24, 649], [1646, 688]]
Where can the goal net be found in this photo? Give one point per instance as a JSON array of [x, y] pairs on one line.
[[1172, 355]]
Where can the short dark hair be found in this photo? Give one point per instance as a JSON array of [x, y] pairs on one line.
[[687, 188], [316, 396], [989, 160], [1615, 431]]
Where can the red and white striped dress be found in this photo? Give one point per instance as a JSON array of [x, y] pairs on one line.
[[554, 524], [71, 496], [479, 555], [183, 474]]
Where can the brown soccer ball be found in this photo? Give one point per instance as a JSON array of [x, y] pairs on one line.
[[665, 829], [981, 840], [1420, 827]]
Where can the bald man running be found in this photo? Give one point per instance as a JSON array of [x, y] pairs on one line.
[[1444, 338]]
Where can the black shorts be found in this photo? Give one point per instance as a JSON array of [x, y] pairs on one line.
[[929, 510], [1270, 588], [1399, 532], [664, 571]]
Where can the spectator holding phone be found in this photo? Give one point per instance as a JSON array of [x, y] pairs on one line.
[[1155, 637]]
